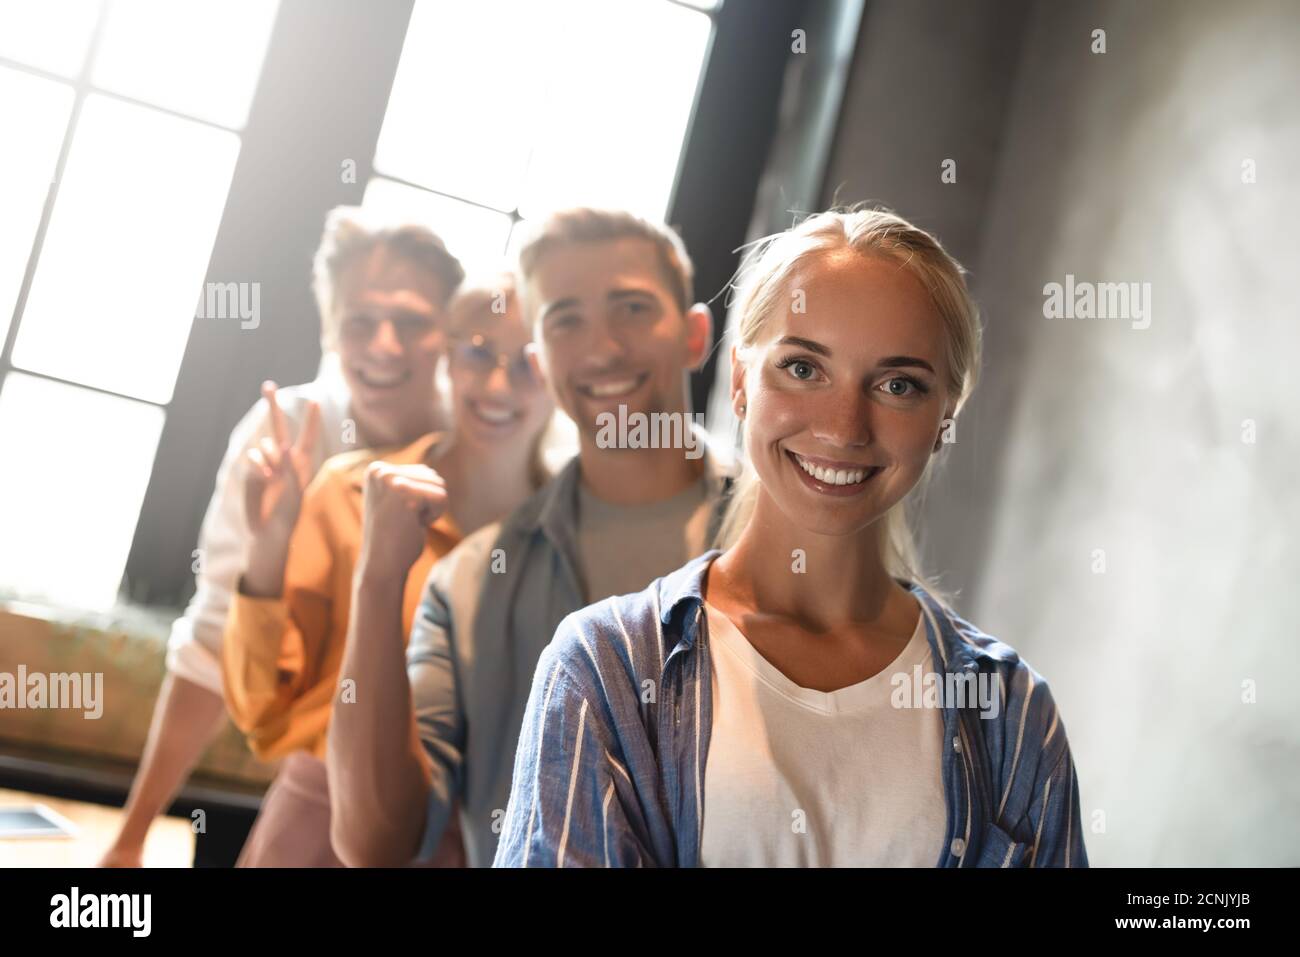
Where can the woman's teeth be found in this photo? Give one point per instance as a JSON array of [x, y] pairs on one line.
[[606, 390], [494, 415], [834, 476]]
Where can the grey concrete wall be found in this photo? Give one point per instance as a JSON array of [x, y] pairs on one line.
[[1092, 440], [931, 80]]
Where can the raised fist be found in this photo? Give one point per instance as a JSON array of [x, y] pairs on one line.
[[401, 502]]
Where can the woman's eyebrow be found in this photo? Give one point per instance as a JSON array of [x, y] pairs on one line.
[[894, 362], [808, 344], [889, 362]]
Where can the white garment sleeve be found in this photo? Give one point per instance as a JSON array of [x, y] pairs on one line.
[[194, 647]]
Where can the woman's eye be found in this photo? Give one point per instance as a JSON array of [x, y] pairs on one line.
[[800, 369], [902, 387]]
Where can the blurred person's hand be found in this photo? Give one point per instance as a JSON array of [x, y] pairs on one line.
[[276, 472], [401, 502], [121, 857]]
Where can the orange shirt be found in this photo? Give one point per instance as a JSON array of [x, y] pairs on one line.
[[281, 656]]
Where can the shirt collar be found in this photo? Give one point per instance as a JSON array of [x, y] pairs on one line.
[[554, 506], [684, 587]]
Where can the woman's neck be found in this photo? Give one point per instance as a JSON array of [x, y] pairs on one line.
[[483, 484], [374, 433], [822, 581]]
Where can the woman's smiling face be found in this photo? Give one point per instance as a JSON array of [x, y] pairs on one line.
[[845, 393]]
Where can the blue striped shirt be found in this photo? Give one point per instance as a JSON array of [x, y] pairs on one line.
[[610, 765]]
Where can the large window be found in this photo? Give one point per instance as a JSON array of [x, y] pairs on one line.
[[153, 145], [122, 122], [502, 109]]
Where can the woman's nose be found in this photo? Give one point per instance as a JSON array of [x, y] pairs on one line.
[[498, 379], [844, 421]]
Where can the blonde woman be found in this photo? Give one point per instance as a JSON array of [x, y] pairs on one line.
[[404, 508], [804, 697]]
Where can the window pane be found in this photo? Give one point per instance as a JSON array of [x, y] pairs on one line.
[[618, 103], [466, 88], [122, 267], [200, 57], [69, 511], [571, 101], [50, 35], [34, 115], [475, 236]]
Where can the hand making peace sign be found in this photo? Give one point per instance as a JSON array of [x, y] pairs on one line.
[[279, 469]]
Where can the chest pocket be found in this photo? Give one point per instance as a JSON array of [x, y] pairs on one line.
[[1000, 849], [1007, 841]]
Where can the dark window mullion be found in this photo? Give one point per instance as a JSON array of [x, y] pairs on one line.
[[727, 145], [37, 374], [380, 174]]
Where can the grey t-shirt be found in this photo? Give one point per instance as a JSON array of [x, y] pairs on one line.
[[623, 548]]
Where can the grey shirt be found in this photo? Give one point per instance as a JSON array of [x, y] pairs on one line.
[[623, 548], [489, 609]]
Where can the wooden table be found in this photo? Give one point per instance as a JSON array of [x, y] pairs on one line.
[[170, 843]]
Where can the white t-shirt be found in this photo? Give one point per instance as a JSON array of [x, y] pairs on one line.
[[796, 777], [194, 648]]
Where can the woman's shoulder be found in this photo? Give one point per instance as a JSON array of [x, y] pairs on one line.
[[347, 470], [962, 640], [604, 639], [1016, 699], [347, 466], [631, 636]]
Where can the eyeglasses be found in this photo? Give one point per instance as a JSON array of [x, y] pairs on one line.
[[408, 328], [479, 355]]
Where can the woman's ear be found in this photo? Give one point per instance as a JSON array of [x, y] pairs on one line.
[[947, 423], [737, 384]]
